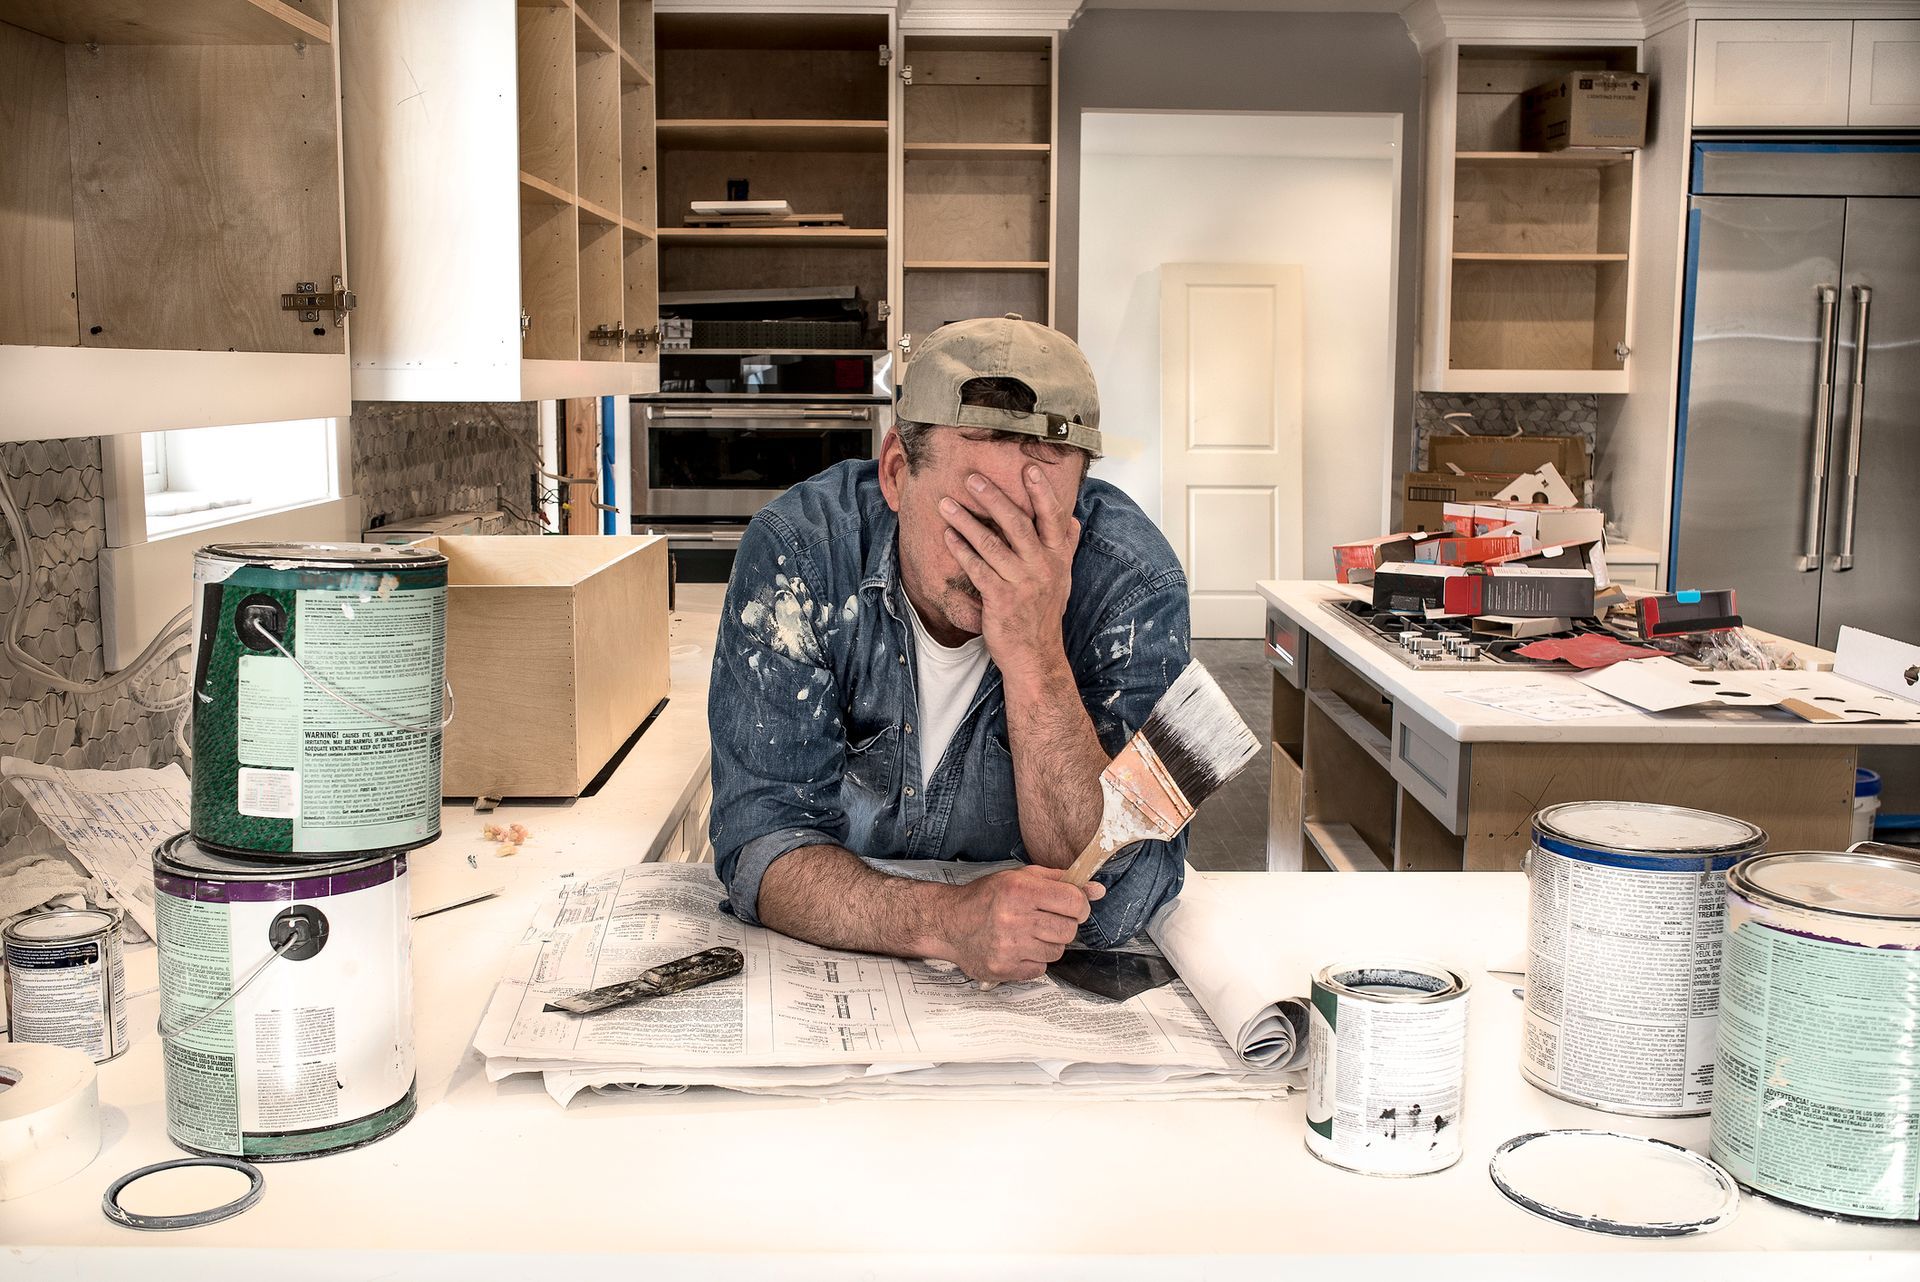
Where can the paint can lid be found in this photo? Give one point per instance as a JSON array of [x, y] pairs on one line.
[[1641, 827], [62, 924], [185, 1193], [182, 856], [326, 556], [1620, 1185], [1873, 881]]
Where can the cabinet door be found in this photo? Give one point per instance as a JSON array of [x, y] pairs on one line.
[[1886, 74], [1772, 73]]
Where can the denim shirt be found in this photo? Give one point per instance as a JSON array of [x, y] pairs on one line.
[[813, 711]]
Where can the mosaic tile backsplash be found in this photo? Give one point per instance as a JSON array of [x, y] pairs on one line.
[[58, 487], [413, 460]]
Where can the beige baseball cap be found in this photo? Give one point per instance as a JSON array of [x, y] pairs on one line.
[[1066, 402]]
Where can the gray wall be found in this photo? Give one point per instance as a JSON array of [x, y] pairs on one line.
[[1155, 60]]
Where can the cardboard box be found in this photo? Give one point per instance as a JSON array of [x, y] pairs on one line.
[[556, 652], [1369, 554], [1466, 551], [1500, 590], [1473, 469], [1537, 525], [1586, 109]]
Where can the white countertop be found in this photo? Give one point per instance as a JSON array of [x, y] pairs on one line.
[[496, 1181], [1424, 692]]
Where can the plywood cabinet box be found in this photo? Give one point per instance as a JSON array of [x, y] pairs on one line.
[[168, 173], [556, 652], [500, 196]]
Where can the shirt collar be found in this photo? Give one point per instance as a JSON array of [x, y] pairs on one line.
[[882, 570]]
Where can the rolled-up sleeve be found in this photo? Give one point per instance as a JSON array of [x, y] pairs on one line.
[[779, 744], [1138, 652]]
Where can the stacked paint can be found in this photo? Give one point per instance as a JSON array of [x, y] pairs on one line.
[[283, 927], [1818, 1099], [1625, 910]]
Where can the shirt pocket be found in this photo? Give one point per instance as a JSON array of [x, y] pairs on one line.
[[1000, 803], [873, 764]]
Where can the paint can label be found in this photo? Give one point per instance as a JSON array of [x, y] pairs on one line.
[[315, 1054], [1385, 1083], [1818, 1101], [288, 767], [71, 994], [1622, 988]]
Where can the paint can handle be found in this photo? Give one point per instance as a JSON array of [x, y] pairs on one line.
[[295, 938], [411, 727]]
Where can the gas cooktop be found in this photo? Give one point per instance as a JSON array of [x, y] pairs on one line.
[[1451, 644]]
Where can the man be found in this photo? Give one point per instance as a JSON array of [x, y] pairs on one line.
[[933, 656]]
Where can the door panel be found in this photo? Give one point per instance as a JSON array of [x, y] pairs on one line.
[[1230, 435], [1881, 590], [1747, 467], [1780, 72]]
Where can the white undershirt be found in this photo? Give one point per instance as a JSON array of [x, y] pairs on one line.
[[945, 678]]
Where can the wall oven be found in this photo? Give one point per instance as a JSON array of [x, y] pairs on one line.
[[720, 460]]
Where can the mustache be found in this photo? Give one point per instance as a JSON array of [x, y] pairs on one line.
[[964, 586]]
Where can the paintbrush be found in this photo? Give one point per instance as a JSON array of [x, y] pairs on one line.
[[1193, 741]]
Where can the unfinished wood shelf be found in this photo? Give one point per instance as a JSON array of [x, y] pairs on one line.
[[1526, 275], [875, 237], [977, 180], [548, 243], [773, 135], [161, 189]]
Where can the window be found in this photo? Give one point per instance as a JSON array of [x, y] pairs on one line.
[[205, 476]]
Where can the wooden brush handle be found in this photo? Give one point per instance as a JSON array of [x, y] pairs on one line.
[[1082, 869]]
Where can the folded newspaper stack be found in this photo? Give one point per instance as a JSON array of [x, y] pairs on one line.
[[807, 1021]]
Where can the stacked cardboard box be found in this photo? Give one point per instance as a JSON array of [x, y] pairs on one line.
[[1473, 469]]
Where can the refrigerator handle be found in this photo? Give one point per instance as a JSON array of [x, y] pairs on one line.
[[1856, 408], [1822, 419]]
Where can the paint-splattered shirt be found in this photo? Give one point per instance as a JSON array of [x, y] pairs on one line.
[[812, 706]]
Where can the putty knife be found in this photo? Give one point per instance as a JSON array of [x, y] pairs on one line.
[[668, 977]]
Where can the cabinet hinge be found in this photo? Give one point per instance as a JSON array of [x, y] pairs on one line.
[[608, 335], [307, 300], [526, 324], [884, 309], [886, 55], [1621, 351], [906, 345], [906, 73], [641, 337]]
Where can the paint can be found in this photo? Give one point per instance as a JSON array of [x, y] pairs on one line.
[[65, 983], [1386, 1067], [318, 678], [1626, 902], [286, 1006], [1819, 1086]]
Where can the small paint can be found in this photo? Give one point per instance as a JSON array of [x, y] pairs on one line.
[[1819, 1085], [66, 985], [1625, 907], [1386, 1067], [318, 679], [286, 1002]]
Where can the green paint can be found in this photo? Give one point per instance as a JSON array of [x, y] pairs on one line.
[[318, 697]]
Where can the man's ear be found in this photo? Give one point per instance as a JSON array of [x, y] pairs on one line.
[[893, 468]]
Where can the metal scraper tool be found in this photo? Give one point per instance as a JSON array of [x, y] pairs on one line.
[[668, 977], [1114, 976]]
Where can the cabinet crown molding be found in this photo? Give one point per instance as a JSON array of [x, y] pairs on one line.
[[987, 17], [1432, 21]]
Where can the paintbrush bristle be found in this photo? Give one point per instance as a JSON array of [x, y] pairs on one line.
[[1197, 735]]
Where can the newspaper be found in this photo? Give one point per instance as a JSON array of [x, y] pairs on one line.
[[805, 1020], [109, 820]]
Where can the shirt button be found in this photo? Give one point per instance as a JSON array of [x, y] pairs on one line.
[[909, 790], [909, 727], [909, 832], [903, 658]]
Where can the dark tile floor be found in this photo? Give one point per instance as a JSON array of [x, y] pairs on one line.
[[1230, 832]]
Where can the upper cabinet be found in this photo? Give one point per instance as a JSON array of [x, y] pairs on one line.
[[500, 194], [170, 231], [977, 175], [1525, 283], [1806, 74]]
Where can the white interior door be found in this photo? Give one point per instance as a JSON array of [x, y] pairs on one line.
[[1230, 441]]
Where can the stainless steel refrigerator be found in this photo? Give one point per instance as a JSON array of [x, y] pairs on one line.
[[1797, 475]]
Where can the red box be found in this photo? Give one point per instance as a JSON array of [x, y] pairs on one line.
[[1467, 551], [1370, 554]]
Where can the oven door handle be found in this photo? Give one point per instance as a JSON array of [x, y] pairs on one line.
[[856, 414]]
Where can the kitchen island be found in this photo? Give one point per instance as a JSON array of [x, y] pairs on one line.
[[1377, 766], [493, 1180]]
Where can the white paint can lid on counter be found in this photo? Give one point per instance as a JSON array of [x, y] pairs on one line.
[[1643, 828], [1874, 882], [1620, 1185]]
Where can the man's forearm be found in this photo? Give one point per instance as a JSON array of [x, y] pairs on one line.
[[827, 896], [1057, 760]]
